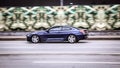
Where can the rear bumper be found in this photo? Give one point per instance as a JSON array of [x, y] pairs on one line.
[[80, 37]]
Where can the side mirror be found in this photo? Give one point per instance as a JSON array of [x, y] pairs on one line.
[[47, 31]]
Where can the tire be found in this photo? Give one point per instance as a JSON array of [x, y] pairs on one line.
[[71, 39], [35, 39]]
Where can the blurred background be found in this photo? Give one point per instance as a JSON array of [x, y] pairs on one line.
[[91, 17], [18, 17], [41, 14]]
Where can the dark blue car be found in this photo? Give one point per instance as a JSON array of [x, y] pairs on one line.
[[65, 33]]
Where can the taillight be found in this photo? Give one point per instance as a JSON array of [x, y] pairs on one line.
[[84, 31]]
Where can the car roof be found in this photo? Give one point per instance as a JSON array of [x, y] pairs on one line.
[[62, 26]]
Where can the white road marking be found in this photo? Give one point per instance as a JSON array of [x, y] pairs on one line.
[[78, 62], [60, 52], [57, 47]]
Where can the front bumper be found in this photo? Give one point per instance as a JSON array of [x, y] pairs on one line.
[[28, 37]]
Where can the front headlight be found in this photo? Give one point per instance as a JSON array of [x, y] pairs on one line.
[[28, 35]]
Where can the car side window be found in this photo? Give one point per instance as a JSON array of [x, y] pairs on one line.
[[55, 29], [66, 28]]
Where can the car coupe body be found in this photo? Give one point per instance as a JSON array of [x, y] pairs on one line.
[[65, 33]]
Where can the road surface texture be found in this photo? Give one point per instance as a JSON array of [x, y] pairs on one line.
[[85, 54]]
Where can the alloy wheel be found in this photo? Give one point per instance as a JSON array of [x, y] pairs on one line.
[[35, 39], [71, 38]]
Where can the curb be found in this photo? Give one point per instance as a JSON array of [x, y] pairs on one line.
[[12, 38], [103, 38]]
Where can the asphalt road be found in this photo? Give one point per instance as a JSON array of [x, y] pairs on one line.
[[85, 54]]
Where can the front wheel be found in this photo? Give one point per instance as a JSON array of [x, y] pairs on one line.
[[35, 39], [72, 39]]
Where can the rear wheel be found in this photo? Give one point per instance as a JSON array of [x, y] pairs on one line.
[[72, 39], [35, 39]]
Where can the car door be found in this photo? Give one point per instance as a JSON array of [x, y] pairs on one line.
[[54, 33], [65, 32]]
